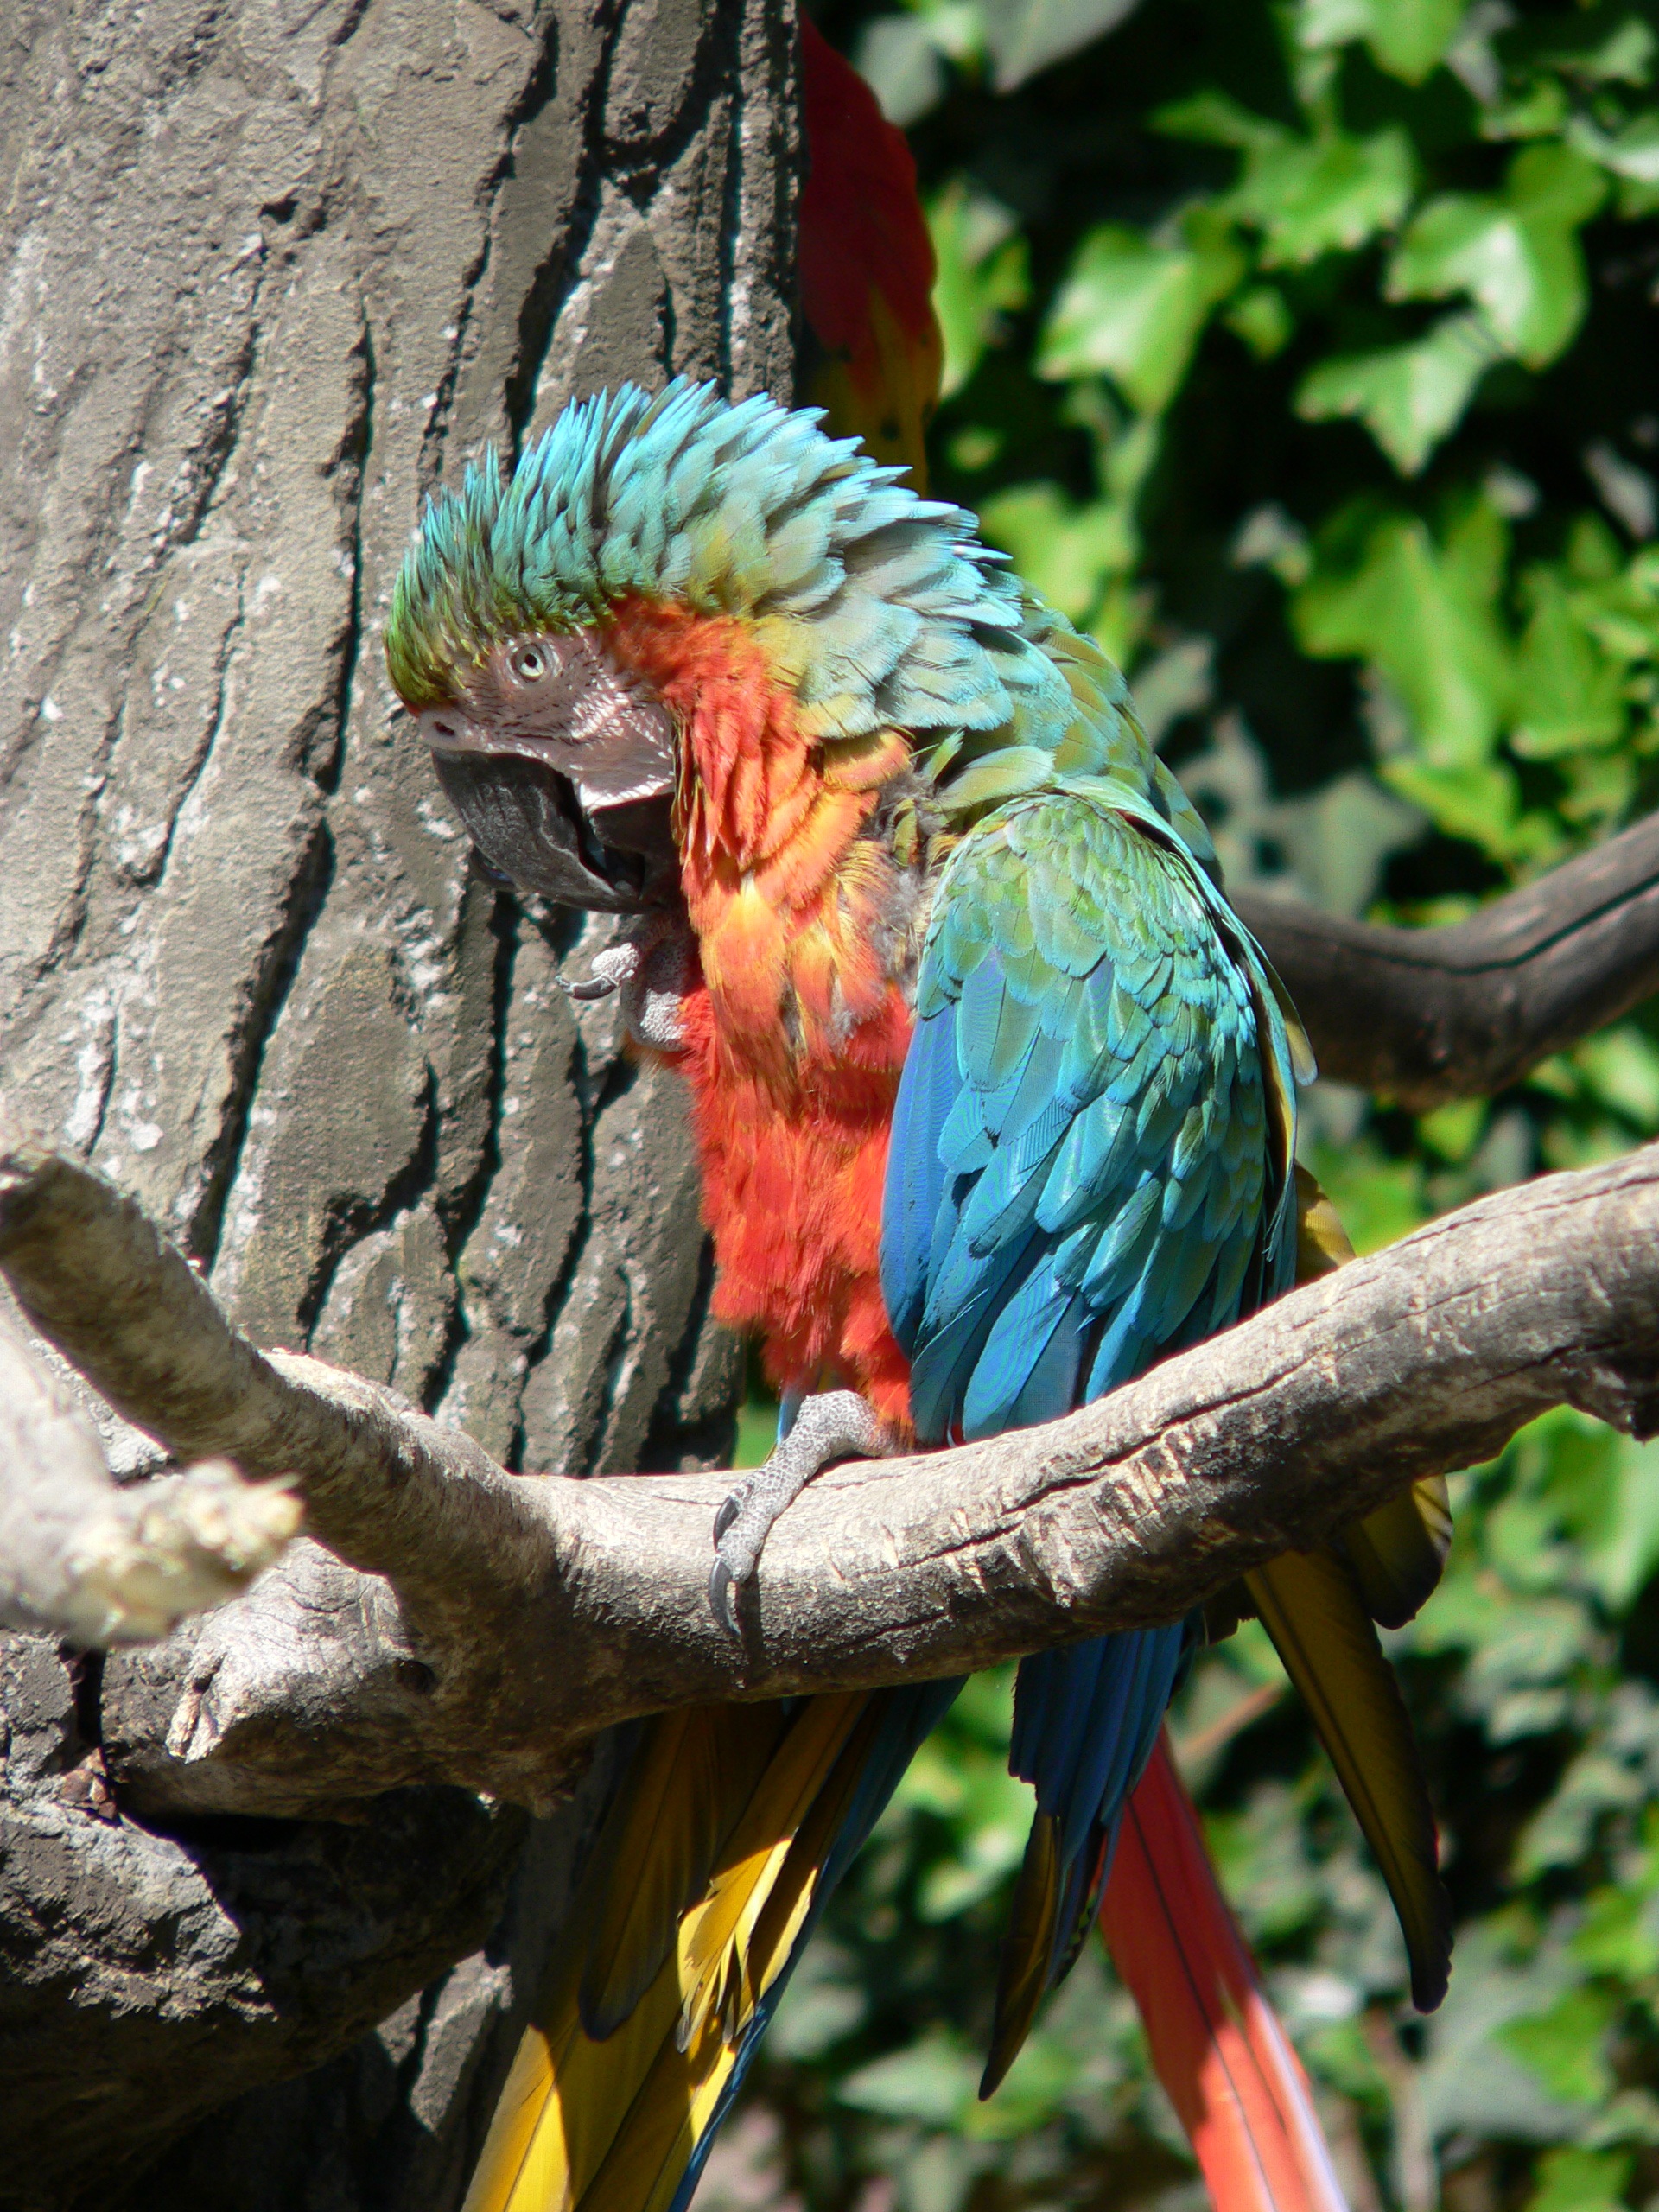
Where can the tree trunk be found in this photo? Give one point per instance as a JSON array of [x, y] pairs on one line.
[[272, 271]]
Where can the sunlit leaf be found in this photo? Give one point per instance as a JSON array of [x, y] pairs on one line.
[[1026, 35], [1409, 398], [900, 59], [936, 2080], [1406, 37], [982, 275], [1133, 309], [1425, 614], [1067, 552], [1262, 319], [1572, 2180], [1632, 152], [1569, 695], [1564, 2047], [1516, 253], [1307, 195]]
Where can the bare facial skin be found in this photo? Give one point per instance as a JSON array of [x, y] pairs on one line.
[[560, 700], [562, 767]]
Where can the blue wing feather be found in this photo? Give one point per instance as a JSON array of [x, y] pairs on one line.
[[1090, 1167]]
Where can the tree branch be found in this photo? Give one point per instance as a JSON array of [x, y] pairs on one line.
[[521, 1615], [1425, 1015], [103, 1565]]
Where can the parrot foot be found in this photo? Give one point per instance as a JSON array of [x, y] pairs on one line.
[[653, 970], [831, 1424], [616, 965]]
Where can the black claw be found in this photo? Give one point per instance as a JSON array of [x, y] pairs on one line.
[[727, 1513], [595, 987], [719, 1584]]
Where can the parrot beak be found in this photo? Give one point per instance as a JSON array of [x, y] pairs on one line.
[[602, 841]]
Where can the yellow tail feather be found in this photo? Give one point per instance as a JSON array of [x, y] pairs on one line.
[[609, 2124], [1310, 1605], [1398, 1552], [690, 1779]]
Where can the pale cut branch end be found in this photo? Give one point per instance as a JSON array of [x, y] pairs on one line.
[[165, 1549]]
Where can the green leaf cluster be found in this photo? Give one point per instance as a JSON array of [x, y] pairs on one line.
[[1307, 354]]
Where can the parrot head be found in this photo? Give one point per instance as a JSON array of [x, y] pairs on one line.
[[561, 766], [693, 646]]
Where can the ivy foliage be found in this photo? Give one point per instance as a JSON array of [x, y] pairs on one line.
[[1307, 354]]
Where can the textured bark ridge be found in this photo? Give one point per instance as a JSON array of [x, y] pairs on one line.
[[271, 272]]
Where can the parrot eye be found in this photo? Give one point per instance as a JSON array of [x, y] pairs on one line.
[[529, 663]]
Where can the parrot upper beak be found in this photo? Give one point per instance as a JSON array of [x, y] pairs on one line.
[[602, 841]]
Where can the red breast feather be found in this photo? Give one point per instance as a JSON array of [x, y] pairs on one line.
[[797, 1029]]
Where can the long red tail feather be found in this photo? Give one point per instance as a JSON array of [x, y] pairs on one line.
[[1218, 2048]]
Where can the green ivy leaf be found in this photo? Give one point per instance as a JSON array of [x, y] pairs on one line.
[[1564, 2046], [1406, 37], [1425, 615], [1261, 317], [1066, 552], [935, 2080], [1572, 2180], [1632, 152], [1026, 35], [1306, 195], [1408, 396], [1516, 253], [982, 275], [1133, 310], [1570, 695]]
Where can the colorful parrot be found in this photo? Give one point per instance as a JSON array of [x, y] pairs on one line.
[[995, 1100]]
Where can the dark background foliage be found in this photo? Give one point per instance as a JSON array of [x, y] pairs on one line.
[[1306, 355]]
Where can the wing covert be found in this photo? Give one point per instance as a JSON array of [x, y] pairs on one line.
[[1082, 1159]]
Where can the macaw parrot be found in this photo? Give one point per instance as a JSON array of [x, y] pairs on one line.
[[995, 1102]]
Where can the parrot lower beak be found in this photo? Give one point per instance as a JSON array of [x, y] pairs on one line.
[[527, 821]]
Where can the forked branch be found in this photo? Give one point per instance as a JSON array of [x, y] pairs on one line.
[[518, 1616]]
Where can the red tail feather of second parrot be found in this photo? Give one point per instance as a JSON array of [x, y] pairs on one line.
[[866, 265], [1218, 2046]]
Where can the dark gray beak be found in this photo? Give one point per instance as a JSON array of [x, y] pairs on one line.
[[526, 819]]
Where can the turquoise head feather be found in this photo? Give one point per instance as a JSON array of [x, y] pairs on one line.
[[878, 609]]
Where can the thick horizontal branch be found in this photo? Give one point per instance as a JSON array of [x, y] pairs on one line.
[[1425, 1015], [520, 1615]]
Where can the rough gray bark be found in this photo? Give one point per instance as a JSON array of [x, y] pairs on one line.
[[495, 1624], [1425, 1015], [271, 269]]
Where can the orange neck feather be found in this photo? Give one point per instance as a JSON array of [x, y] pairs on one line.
[[796, 1030]]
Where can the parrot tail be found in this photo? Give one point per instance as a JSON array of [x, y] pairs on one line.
[[734, 1824], [1218, 2048]]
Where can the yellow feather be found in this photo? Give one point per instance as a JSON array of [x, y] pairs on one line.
[[1310, 1605], [690, 1779], [1397, 1552], [1322, 1244], [591, 2125]]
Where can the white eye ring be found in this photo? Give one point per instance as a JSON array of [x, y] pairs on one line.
[[529, 663]]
